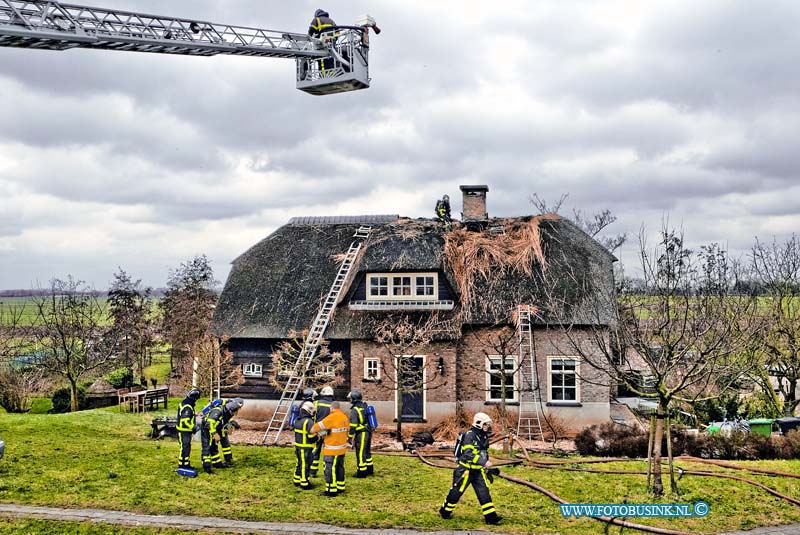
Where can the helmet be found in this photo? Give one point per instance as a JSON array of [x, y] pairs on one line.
[[308, 407], [446, 198], [234, 404], [355, 396], [326, 391], [482, 420], [309, 394], [321, 13], [194, 394]]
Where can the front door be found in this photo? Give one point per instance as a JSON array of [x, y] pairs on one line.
[[411, 388]]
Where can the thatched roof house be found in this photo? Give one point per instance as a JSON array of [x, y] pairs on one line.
[[473, 277]]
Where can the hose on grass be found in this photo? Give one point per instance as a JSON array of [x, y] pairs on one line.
[[556, 498]]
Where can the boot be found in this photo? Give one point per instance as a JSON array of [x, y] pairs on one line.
[[207, 468], [493, 518], [229, 459], [219, 465], [370, 470], [447, 515], [361, 474]]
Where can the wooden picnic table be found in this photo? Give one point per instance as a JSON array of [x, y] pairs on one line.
[[134, 401]]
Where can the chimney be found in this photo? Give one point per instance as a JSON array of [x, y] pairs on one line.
[[474, 209]]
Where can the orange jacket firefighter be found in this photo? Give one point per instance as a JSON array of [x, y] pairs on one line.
[[335, 427]]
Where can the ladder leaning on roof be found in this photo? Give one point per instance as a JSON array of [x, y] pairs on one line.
[[529, 425], [298, 375]]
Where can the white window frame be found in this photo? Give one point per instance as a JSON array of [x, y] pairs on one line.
[[577, 374], [328, 370], [390, 286], [416, 286], [509, 359], [367, 362], [252, 369]]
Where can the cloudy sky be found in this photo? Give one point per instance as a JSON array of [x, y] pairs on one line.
[[677, 109]]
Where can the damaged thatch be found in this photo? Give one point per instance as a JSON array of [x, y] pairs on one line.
[[278, 284], [517, 248]]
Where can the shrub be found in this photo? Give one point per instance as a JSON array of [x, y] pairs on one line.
[[611, 440], [120, 378], [61, 399]]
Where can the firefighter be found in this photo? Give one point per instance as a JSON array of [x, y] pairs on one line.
[[322, 22], [186, 427], [334, 428], [304, 442], [443, 211], [214, 434], [473, 464], [360, 434], [323, 406], [309, 394]]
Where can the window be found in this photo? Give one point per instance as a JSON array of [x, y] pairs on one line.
[[372, 369], [423, 285], [378, 286], [251, 369], [402, 287], [564, 379], [501, 377], [325, 370]]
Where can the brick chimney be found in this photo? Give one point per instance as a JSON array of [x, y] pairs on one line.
[[474, 209]]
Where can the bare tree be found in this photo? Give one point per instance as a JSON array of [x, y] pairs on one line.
[[19, 375], [215, 369], [593, 224], [327, 369], [403, 336], [686, 336], [776, 266], [71, 331]]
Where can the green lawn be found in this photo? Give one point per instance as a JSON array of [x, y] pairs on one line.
[[102, 459]]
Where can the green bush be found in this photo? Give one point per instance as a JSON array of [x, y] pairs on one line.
[[61, 399], [120, 378]]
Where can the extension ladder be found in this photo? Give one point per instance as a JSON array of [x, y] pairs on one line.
[[529, 425], [297, 376]]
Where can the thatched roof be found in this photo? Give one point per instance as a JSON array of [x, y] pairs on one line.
[[277, 285]]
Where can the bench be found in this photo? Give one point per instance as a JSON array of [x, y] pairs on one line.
[[154, 398]]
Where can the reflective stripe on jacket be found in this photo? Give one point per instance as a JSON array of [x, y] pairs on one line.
[[186, 416], [358, 418], [336, 426], [474, 450], [303, 437]]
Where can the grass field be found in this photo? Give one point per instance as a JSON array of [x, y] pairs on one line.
[[102, 459]]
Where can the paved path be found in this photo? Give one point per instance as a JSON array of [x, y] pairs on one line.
[[191, 523], [222, 525]]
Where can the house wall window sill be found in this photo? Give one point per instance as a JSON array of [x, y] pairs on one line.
[[564, 404], [508, 403]]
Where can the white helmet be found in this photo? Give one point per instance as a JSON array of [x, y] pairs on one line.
[[480, 420], [309, 407], [326, 391]]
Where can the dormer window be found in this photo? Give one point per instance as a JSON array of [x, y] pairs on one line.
[[402, 286]]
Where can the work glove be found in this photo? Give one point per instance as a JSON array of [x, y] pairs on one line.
[[491, 472]]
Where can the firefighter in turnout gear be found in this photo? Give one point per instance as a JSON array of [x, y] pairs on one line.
[[214, 434], [360, 434], [186, 427], [322, 22], [443, 211], [473, 464], [323, 406], [304, 442], [334, 428]]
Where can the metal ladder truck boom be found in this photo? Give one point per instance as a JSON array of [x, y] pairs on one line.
[[51, 25], [529, 425], [298, 375]]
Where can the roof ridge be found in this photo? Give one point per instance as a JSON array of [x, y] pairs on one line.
[[344, 219]]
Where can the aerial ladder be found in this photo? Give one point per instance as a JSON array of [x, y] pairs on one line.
[[335, 62], [529, 424], [297, 375]]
